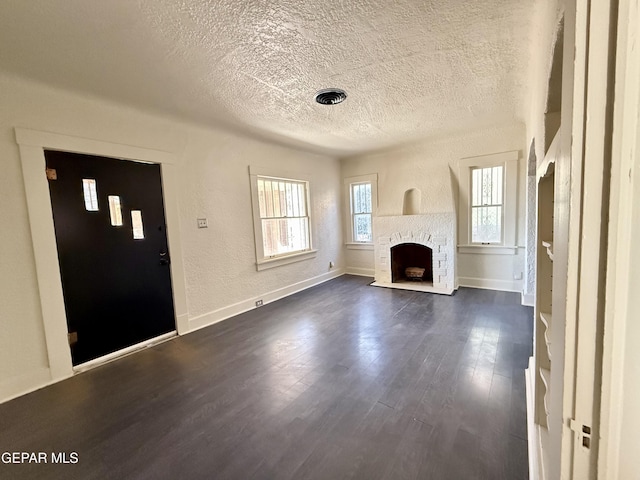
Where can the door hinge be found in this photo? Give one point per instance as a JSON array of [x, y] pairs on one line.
[[51, 174], [583, 432]]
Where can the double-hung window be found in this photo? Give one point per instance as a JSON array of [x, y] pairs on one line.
[[488, 193], [361, 211], [281, 219], [487, 185], [360, 201], [283, 215]]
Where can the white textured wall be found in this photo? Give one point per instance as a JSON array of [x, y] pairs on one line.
[[214, 181], [546, 18], [220, 260], [428, 165]]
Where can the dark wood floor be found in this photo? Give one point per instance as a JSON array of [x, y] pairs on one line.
[[343, 380]]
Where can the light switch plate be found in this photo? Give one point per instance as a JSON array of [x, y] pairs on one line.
[[202, 223]]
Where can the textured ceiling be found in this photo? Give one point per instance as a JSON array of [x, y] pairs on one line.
[[412, 69]]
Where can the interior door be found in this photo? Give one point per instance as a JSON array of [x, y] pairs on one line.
[[112, 250]]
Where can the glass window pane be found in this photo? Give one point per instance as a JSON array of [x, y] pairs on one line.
[[486, 224], [284, 235], [367, 198], [262, 198], [89, 190], [136, 223], [289, 200], [277, 201], [115, 210], [362, 227], [302, 200], [361, 198], [296, 211], [475, 186], [487, 186]]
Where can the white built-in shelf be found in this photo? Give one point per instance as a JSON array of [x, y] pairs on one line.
[[545, 374], [546, 320], [549, 247], [547, 341]]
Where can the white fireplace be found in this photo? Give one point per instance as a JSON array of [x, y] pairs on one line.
[[436, 231]]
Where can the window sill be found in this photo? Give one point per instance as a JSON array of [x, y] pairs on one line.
[[359, 246], [489, 249], [284, 260]]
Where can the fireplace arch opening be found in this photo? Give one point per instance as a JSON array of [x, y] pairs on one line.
[[411, 262]]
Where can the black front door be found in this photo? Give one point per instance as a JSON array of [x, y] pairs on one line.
[[112, 249]]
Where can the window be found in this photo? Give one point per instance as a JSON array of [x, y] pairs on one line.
[[136, 224], [361, 212], [115, 210], [90, 193], [361, 201], [486, 204], [281, 219], [283, 213]]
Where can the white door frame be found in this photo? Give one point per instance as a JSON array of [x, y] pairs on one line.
[[614, 459], [588, 254], [32, 144]]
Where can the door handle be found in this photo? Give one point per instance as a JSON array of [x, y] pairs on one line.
[[164, 258]]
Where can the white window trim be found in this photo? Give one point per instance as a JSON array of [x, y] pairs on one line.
[[262, 262], [509, 160], [372, 178]]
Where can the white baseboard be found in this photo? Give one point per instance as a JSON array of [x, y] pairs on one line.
[[363, 272], [491, 284], [532, 432], [528, 300], [22, 384], [215, 316]]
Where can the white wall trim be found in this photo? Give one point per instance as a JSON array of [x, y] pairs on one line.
[[215, 316], [527, 299], [489, 249], [532, 431], [32, 144], [70, 143], [267, 263], [360, 246], [491, 284], [363, 272], [618, 387], [15, 387]]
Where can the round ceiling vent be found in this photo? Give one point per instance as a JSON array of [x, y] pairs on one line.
[[331, 96]]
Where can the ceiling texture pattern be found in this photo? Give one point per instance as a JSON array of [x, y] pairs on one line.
[[412, 69]]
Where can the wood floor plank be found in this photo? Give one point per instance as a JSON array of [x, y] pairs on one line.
[[341, 381]]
